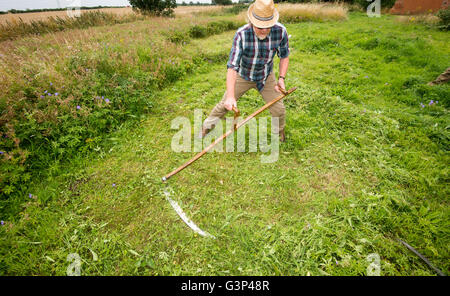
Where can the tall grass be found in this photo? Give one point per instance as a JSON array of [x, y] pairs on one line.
[[291, 13], [425, 19], [200, 11], [64, 92], [17, 28], [315, 12]]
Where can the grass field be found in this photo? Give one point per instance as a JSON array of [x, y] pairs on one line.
[[40, 16], [365, 162]]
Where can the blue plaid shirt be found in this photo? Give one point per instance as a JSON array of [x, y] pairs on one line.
[[253, 58]]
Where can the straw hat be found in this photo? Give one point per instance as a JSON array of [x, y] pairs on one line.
[[263, 14]]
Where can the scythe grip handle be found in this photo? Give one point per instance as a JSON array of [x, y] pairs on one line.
[[236, 115]]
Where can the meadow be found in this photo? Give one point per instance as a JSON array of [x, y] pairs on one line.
[[86, 137], [42, 16]]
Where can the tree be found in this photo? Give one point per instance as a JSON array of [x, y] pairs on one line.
[[221, 2], [154, 7]]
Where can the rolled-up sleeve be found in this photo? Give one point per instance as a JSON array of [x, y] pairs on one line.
[[283, 51], [234, 60]]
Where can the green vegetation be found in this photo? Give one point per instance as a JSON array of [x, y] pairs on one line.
[[50, 117], [236, 8], [221, 2], [444, 16], [365, 162], [154, 7]]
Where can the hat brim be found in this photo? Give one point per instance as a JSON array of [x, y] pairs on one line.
[[262, 24]]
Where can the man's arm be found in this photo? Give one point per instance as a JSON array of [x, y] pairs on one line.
[[283, 54], [233, 66], [230, 100], [284, 63]]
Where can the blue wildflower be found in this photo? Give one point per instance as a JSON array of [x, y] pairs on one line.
[[56, 94], [430, 103], [2, 222], [78, 107], [107, 100], [1, 152]]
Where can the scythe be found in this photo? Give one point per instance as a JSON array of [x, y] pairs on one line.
[[174, 205]]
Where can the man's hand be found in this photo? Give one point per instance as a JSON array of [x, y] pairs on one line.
[[280, 87], [229, 103]]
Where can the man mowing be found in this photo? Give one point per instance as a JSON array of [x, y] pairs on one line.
[[250, 64]]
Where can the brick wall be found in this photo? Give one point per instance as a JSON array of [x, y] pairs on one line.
[[418, 6]]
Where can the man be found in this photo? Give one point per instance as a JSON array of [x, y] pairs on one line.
[[250, 64]]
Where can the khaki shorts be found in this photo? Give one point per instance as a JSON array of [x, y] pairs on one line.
[[242, 86]]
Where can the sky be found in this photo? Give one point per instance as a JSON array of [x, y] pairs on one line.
[[38, 4]]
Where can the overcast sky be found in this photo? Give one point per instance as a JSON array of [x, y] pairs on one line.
[[35, 4]]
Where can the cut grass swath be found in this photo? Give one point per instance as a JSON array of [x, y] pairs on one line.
[[236, 126]]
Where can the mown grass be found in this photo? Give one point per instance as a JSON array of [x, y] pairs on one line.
[[363, 164]]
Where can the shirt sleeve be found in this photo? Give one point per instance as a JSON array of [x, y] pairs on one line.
[[283, 51], [234, 60]]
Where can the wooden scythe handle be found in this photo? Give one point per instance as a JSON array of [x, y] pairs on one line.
[[236, 126], [236, 115]]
